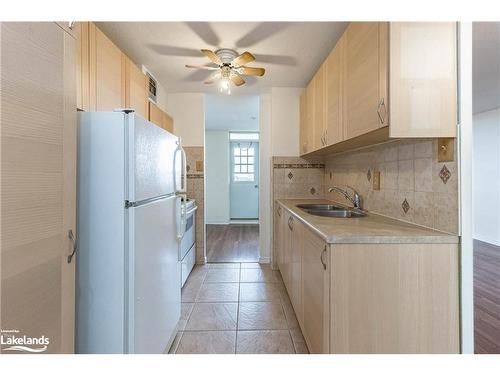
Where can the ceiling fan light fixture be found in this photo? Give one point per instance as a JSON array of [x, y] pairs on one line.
[[225, 86]]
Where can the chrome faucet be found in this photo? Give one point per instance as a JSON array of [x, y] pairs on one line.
[[354, 198]]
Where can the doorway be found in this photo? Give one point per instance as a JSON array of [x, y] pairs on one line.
[[232, 179]]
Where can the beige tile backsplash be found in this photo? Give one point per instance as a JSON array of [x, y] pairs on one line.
[[196, 190], [294, 177], [408, 170]]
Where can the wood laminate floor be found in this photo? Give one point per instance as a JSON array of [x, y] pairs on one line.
[[232, 243], [486, 298]]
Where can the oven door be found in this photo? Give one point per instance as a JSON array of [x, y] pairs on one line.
[[189, 234]]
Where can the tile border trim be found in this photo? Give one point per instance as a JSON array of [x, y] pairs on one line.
[[298, 166]]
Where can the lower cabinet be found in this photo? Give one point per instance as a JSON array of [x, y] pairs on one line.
[[370, 297], [315, 292], [302, 258]]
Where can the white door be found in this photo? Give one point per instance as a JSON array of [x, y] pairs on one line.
[[244, 185]]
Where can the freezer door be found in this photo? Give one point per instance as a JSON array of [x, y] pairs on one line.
[[151, 154], [154, 276]]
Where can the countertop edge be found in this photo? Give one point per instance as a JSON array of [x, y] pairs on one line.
[[441, 238]]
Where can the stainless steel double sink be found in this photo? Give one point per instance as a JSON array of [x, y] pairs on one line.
[[331, 210]]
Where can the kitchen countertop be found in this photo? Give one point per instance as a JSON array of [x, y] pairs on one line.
[[372, 228]]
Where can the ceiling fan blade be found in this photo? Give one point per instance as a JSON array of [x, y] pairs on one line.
[[243, 59], [237, 80], [251, 71], [212, 56], [202, 67], [212, 78]]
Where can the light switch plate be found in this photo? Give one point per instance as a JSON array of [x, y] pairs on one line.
[[376, 180], [446, 149], [199, 166]]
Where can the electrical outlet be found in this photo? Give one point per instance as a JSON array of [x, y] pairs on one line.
[[376, 180], [199, 166]]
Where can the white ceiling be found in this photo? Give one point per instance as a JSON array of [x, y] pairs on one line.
[[486, 66], [289, 51], [236, 113]]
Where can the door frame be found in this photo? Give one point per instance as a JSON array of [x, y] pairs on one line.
[[464, 50]]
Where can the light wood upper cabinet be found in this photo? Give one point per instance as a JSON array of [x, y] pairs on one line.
[[155, 115], [361, 85], [168, 122], [315, 292], [423, 79], [319, 109], [136, 89], [82, 66], [333, 95], [107, 72], [310, 115]]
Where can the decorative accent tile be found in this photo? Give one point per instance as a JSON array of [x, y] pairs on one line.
[[312, 191], [405, 205], [197, 175], [298, 166], [369, 175], [444, 174], [290, 175]]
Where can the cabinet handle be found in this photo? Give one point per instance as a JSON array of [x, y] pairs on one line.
[[71, 24], [290, 223], [381, 104], [72, 238], [279, 211], [321, 258]]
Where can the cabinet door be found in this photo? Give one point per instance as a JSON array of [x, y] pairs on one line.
[[286, 250], [361, 73], [38, 187], [82, 66], [278, 240], [333, 95], [319, 109], [310, 93], [315, 293], [295, 291], [107, 72], [167, 122], [423, 79], [303, 124], [155, 115], [136, 89]]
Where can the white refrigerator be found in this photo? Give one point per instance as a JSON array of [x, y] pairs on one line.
[[131, 176]]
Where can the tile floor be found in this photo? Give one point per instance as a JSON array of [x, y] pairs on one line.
[[237, 308]]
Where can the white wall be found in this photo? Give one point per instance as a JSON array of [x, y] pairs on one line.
[[217, 177], [486, 176], [285, 118], [188, 112]]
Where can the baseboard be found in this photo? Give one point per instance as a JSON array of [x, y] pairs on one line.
[[203, 260], [243, 222], [217, 223], [264, 260]]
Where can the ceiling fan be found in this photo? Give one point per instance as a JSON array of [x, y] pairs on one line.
[[230, 67]]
